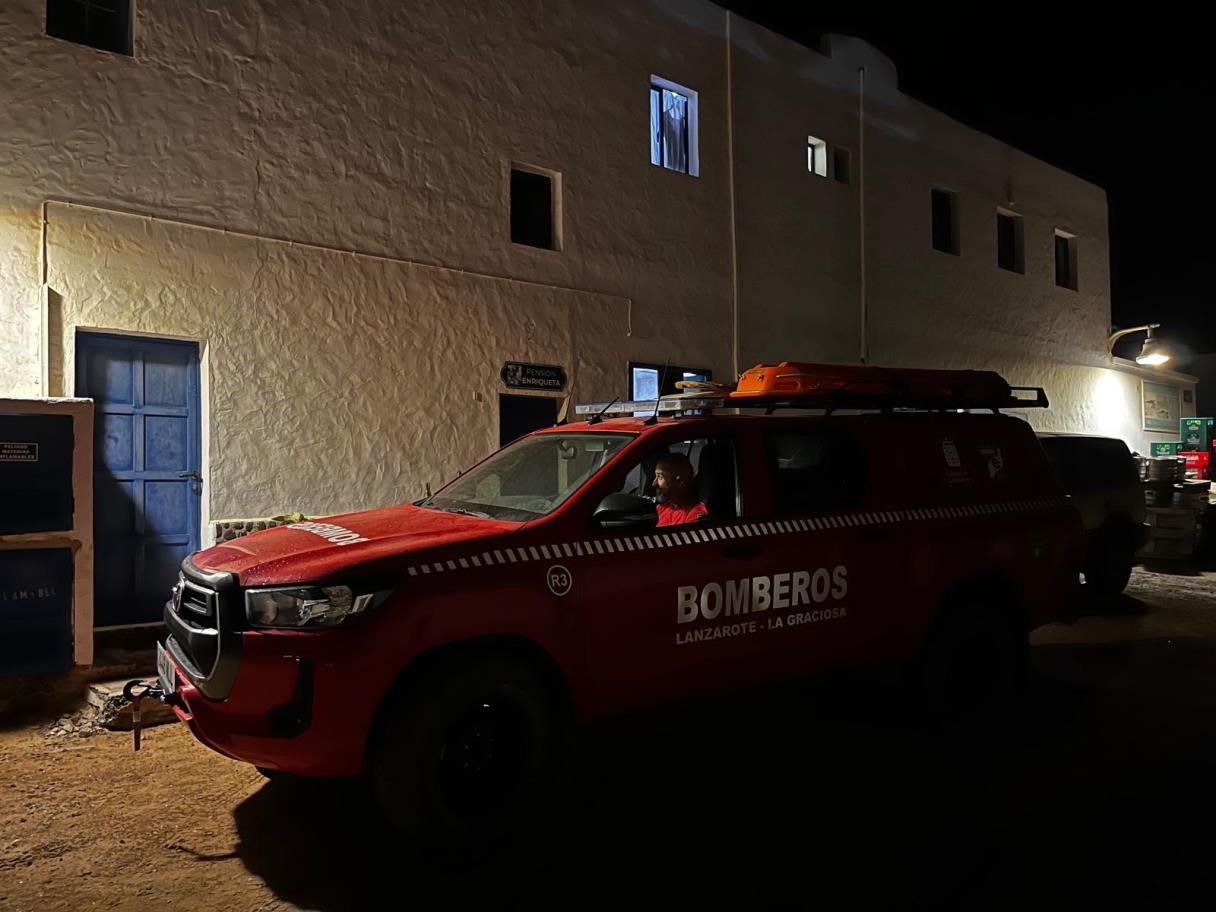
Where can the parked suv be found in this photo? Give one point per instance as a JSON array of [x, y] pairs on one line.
[[441, 647], [1103, 482]]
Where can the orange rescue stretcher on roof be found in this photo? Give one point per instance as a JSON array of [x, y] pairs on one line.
[[794, 381]]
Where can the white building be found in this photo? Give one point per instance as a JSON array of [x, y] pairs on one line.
[[318, 198]]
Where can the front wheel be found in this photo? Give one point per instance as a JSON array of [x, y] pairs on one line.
[[464, 758]]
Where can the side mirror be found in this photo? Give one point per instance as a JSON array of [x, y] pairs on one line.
[[626, 511]]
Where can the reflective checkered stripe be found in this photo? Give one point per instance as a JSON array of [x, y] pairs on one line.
[[682, 536]]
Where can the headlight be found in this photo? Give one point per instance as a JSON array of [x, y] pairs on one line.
[[307, 606]]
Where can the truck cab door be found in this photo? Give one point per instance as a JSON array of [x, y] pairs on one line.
[[645, 589]]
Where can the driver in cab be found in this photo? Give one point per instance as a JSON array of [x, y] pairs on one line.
[[675, 492]]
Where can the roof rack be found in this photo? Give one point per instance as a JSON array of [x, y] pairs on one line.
[[677, 406], [827, 388]]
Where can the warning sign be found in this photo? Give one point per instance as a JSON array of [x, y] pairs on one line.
[[18, 452]]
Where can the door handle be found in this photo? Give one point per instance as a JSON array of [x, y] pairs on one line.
[[191, 474], [742, 552], [196, 480]]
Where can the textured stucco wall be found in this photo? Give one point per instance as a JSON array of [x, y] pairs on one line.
[[798, 246], [390, 129], [336, 382]]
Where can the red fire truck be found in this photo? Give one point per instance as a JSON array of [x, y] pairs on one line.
[[440, 648]]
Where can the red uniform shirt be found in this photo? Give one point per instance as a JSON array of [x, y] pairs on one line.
[[670, 515]]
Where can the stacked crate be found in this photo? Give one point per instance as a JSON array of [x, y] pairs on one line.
[[1176, 499]]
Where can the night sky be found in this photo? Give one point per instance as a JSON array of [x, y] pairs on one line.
[[1119, 103]]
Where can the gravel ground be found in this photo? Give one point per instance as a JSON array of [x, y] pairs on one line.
[[1099, 791]]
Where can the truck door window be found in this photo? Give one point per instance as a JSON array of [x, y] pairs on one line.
[[714, 472], [815, 472]]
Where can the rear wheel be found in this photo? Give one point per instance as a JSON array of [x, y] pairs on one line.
[[465, 757], [1108, 564], [974, 663]]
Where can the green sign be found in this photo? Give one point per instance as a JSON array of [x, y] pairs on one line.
[[1197, 433]]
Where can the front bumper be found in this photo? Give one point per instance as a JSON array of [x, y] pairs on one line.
[[292, 700], [293, 706]]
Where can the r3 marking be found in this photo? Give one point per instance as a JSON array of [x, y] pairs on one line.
[[559, 579]]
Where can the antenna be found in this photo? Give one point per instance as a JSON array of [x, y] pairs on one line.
[[599, 416], [653, 419]]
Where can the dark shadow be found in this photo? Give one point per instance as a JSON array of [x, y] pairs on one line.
[[136, 644], [1121, 605], [118, 655], [1096, 790], [39, 698], [1175, 568]]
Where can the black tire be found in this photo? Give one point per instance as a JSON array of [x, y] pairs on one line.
[[1108, 563], [974, 664], [465, 757]]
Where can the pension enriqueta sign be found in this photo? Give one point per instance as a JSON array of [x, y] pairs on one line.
[[518, 375]]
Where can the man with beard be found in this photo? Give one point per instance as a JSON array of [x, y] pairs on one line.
[[676, 493]]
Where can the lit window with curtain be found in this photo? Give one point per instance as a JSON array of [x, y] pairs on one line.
[[672, 126]]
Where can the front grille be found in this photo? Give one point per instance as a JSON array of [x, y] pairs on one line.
[[204, 629], [197, 609], [196, 600]]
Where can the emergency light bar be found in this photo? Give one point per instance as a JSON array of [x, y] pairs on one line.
[[676, 404]]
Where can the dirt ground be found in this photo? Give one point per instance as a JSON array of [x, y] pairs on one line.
[[1101, 790]]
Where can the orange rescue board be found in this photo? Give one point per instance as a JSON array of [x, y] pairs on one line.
[[793, 379]]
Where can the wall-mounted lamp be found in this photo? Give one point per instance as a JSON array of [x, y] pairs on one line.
[[1152, 353]]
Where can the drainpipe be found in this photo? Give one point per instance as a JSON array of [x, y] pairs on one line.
[[44, 316], [734, 246], [861, 208]]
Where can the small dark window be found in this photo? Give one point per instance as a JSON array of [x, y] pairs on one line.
[[840, 165], [1066, 261], [945, 221], [519, 415], [532, 209], [103, 24], [1086, 464], [816, 472], [1009, 242]]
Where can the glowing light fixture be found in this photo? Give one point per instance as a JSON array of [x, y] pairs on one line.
[[1152, 354]]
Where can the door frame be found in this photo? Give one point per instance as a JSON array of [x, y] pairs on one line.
[[201, 444]]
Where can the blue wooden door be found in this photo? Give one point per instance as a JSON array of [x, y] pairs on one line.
[[146, 459]]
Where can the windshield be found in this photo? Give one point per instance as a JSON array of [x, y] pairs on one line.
[[532, 477]]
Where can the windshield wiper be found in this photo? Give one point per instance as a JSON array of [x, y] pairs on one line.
[[476, 513]]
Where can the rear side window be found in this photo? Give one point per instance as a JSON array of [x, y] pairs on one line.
[[816, 472], [1089, 463]]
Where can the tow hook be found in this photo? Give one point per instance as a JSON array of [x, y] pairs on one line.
[[135, 692]]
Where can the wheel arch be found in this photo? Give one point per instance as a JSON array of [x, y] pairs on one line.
[[999, 590], [517, 646]]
